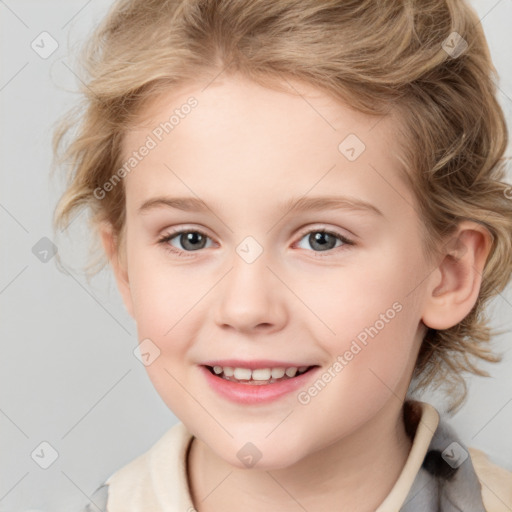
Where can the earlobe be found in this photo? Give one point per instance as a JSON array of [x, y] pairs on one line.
[[455, 285], [118, 265]]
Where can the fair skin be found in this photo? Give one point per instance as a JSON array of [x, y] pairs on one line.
[[245, 150]]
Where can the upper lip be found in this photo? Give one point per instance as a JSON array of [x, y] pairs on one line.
[[254, 364]]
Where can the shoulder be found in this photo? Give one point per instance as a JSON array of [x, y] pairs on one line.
[[461, 477], [156, 476], [134, 482], [496, 482], [167, 451], [98, 500]]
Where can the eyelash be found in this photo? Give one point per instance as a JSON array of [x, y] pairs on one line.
[[187, 254]]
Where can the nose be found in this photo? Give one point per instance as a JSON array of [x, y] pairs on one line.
[[250, 298]]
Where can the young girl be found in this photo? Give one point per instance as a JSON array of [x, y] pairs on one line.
[[304, 206]]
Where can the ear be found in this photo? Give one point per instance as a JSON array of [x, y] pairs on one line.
[[455, 284], [118, 264]]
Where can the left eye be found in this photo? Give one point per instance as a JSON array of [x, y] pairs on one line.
[[320, 240], [325, 240]]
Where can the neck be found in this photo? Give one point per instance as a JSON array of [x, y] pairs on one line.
[[355, 473]]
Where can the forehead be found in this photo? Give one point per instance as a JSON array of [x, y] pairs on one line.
[[260, 140], [223, 104]]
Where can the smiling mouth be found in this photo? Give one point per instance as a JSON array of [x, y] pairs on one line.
[[259, 376]]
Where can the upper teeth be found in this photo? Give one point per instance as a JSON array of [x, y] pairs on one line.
[[259, 373]]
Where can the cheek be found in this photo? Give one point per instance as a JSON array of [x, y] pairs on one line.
[[164, 310], [379, 345], [162, 293], [367, 368], [374, 318], [373, 291]]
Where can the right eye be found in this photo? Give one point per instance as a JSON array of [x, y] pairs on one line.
[[191, 240]]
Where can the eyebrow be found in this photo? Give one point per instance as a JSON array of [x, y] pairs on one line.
[[302, 204]]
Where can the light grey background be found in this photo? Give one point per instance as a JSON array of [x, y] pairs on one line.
[[68, 373]]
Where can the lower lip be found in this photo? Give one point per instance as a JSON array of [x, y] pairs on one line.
[[255, 393]]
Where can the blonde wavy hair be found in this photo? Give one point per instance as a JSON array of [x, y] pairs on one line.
[[378, 57]]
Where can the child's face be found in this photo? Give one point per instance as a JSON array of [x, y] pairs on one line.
[[246, 151]]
